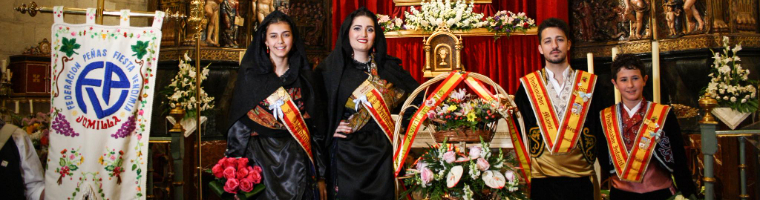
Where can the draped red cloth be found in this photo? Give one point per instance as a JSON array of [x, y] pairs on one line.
[[504, 60]]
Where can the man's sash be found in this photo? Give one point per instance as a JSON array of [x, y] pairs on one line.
[[517, 142], [435, 98], [286, 110], [560, 134], [372, 100], [631, 165]]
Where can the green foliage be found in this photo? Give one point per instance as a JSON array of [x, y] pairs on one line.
[[69, 46], [140, 49]]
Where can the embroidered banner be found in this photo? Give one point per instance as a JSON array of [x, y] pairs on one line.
[[101, 99]]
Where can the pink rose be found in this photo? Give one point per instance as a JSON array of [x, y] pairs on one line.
[[217, 171], [257, 169], [242, 163], [231, 186], [421, 165], [510, 175], [229, 173], [431, 114], [254, 177], [450, 156], [475, 152], [246, 185], [426, 175], [242, 173], [483, 164]]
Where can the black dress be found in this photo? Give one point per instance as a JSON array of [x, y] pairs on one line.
[[287, 171], [362, 162]]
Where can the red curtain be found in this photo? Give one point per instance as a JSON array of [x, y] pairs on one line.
[[504, 60]]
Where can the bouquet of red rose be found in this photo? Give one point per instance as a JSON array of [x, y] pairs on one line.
[[235, 177]]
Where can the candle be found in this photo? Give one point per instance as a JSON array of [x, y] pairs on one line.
[[617, 92], [2, 65], [590, 57], [16, 106], [656, 71], [31, 107]]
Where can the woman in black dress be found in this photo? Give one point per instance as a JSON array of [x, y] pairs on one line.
[[277, 59], [361, 152]]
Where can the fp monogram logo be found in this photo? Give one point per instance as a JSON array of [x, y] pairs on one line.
[[119, 83]]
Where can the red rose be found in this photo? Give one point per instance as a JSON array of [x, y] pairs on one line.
[[257, 169], [231, 186], [242, 163], [63, 151], [230, 162], [526, 25], [242, 173], [229, 173], [217, 171], [254, 177], [221, 161], [246, 185]]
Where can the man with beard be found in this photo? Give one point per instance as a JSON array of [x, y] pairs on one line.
[[555, 103]]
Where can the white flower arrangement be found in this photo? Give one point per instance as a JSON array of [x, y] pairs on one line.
[[181, 91], [477, 173], [436, 13], [508, 22], [389, 25], [729, 82]]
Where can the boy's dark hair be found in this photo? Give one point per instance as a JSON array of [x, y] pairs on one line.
[[556, 23], [628, 61]]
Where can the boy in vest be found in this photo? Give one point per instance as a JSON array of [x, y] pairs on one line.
[[641, 147]]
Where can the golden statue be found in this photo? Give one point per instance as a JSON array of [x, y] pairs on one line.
[[212, 28], [443, 53], [262, 8]]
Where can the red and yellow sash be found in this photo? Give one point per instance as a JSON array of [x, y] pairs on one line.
[[374, 103], [291, 118], [631, 165], [560, 134], [517, 141], [435, 98]]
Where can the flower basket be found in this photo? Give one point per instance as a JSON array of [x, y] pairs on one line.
[[464, 135]]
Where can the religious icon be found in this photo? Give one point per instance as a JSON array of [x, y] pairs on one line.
[[443, 54], [262, 8], [212, 28]]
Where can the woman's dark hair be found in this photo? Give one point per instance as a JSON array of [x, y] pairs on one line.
[[628, 61], [257, 58], [378, 45]]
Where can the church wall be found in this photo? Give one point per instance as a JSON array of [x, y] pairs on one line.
[[21, 31]]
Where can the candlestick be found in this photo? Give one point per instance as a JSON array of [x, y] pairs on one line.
[[590, 57], [617, 92], [656, 72]]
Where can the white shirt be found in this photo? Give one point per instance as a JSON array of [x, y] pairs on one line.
[[557, 87], [31, 168], [633, 110]]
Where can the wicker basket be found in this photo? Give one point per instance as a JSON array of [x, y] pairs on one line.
[[464, 135]]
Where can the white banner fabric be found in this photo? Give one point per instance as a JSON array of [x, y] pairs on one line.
[[101, 99]]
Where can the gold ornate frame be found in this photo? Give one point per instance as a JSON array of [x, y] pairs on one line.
[[431, 68]]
